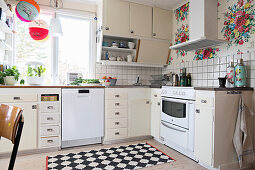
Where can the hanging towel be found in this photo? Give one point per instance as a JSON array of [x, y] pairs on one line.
[[242, 139]]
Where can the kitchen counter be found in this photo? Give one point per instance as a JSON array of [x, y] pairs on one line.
[[49, 86], [223, 89], [128, 86]]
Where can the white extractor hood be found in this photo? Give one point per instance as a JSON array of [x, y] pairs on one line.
[[203, 27]]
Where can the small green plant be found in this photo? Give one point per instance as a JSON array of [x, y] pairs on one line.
[[38, 71], [13, 71]]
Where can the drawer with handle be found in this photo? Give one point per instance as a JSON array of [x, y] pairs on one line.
[[115, 95], [50, 107], [205, 101], [116, 133], [116, 113], [50, 118], [115, 104], [116, 123], [49, 130], [49, 142], [13, 98]]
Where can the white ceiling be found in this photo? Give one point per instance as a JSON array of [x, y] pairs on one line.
[[167, 4]]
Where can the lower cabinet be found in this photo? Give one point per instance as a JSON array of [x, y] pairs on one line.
[[155, 113], [127, 113], [215, 120]]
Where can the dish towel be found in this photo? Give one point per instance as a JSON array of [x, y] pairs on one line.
[[242, 139]]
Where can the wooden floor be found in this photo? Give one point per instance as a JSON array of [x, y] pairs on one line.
[[38, 161]]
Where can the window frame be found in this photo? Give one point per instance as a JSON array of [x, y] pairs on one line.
[[55, 41]]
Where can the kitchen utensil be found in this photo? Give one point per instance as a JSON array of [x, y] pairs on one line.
[[240, 74], [112, 58], [131, 45], [222, 81], [114, 44], [105, 44], [122, 45], [129, 58]]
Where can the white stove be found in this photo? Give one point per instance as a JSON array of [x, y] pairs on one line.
[[177, 118]]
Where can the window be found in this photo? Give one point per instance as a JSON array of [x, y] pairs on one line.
[[28, 49], [73, 52], [74, 47]]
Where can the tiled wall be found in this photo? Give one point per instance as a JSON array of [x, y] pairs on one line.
[[127, 75], [205, 73]]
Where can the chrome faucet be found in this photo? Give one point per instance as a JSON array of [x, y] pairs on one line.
[[138, 81]]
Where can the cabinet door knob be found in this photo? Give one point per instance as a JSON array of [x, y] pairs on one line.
[[197, 110], [117, 113], [154, 34], [117, 123], [147, 102], [132, 31], [117, 133], [107, 28], [203, 101], [34, 107], [158, 103], [117, 95], [155, 95], [117, 104]]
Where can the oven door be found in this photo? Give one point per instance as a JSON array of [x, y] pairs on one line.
[[176, 111]]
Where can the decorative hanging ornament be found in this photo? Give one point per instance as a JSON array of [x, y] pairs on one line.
[[27, 10], [39, 30]]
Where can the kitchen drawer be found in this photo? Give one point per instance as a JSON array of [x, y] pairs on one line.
[[50, 118], [116, 123], [115, 104], [205, 101], [49, 142], [116, 133], [116, 95], [116, 113], [49, 130], [50, 107], [15, 98]]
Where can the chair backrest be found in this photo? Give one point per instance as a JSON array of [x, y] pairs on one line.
[[9, 120]]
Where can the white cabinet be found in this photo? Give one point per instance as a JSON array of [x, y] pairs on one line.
[[155, 113], [139, 112], [162, 24], [116, 17], [215, 120], [140, 20]]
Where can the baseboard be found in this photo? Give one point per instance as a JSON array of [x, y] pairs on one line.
[[235, 166], [30, 152], [131, 139]]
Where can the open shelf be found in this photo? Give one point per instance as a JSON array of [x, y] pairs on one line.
[[134, 64], [5, 28], [119, 49]]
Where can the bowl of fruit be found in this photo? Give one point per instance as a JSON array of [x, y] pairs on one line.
[[109, 81]]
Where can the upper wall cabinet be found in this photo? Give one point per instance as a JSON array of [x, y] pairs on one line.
[[162, 24], [116, 17], [140, 20]]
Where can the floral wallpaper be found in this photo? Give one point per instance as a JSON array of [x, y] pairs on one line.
[[182, 34], [236, 23], [181, 13]]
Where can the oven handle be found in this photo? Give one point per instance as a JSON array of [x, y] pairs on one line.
[[174, 100], [170, 127]]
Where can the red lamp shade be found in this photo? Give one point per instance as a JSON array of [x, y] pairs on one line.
[[38, 30]]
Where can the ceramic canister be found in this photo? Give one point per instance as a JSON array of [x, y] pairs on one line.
[[240, 74], [231, 75]]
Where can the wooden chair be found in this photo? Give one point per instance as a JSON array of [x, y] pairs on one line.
[[11, 125]]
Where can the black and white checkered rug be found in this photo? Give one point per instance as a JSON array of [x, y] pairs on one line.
[[117, 158]]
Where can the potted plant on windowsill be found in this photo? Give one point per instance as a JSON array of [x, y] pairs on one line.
[[10, 76], [35, 76]]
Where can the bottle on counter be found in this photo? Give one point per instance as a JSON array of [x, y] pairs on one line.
[[183, 77], [176, 80], [240, 74], [231, 75], [189, 80]]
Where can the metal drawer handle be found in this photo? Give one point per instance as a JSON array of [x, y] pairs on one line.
[[117, 133], [203, 101], [50, 107], [117, 95], [117, 104], [49, 118], [197, 111], [49, 130], [117, 113], [50, 141], [16, 98], [155, 95], [117, 123]]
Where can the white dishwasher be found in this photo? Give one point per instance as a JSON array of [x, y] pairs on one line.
[[82, 116]]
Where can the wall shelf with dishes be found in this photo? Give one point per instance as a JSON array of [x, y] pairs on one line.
[[119, 50]]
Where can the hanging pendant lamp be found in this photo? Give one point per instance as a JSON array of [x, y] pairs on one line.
[[55, 23]]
